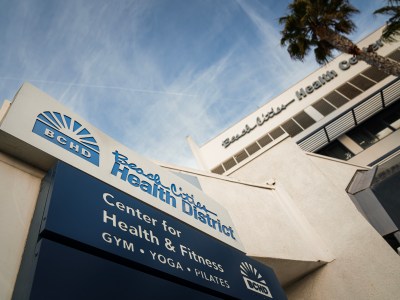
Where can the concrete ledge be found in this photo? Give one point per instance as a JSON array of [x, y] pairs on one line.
[[289, 271]]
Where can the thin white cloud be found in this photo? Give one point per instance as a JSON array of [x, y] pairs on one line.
[[147, 73], [70, 85]]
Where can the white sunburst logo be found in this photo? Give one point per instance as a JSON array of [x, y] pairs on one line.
[[67, 133], [253, 280]]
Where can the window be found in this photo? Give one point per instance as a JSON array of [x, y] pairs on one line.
[[229, 163], [241, 156], [391, 116], [395, 55], [304, 119], [377, 127], [253, 148], [375, 74], [336, 99], [392, 119], [362, 137], [336, 150], [218, 170], [369, 132], [362, 82], [277, 132], [349, 91], [323, 107], [265, 140], [291, 127]]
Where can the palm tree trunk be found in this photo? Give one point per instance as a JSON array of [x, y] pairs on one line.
[[384, 64], [344, 45]]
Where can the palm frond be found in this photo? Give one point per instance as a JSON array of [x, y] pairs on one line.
[[392, 29], [307, 19]]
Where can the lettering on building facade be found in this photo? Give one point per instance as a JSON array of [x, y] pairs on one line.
[[302, 93], [322, 80], [259, 122]]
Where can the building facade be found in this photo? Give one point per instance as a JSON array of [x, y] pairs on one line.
[[304, 188], [332, 142], [346, 110]]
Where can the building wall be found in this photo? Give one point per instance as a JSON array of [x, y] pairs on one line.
[[267, 222], [339, 172], [364, 266], [271, 229], [19, 186]]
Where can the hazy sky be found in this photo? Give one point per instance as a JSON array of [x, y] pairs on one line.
[[151, 72]]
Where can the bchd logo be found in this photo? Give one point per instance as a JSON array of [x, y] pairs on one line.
[[253, 280], [68, 134]]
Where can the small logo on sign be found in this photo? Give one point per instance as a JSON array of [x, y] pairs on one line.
[[68, 134], [253, 280]]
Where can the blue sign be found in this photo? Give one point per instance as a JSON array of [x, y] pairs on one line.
[[84, 210], [68, 134], [152, 184], [66, 273]]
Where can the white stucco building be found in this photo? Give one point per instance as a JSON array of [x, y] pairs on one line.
[[309, 181], [330, 144]]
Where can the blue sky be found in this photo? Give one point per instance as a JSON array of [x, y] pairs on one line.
[[151, 72]]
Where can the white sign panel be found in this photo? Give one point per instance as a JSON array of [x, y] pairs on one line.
[[38, 120]]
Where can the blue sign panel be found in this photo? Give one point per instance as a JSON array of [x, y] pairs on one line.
[[84, 210], [66, 273]]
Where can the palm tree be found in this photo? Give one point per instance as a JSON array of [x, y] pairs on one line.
[[322, 25], [392, 28]]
